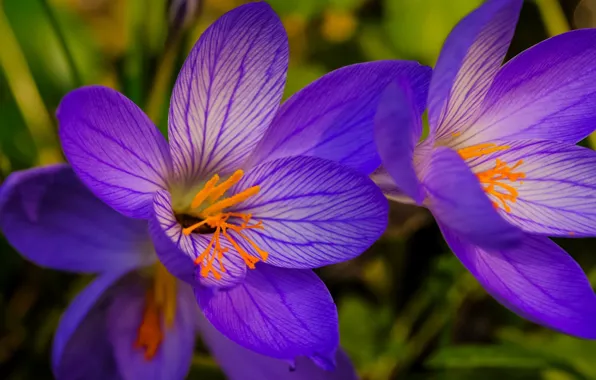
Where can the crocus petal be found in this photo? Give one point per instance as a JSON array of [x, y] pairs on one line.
[[457, 200], [333, 117], [238, 363], [533, 100], [387, 185], [174, 355], [314, 211], [177, 251], [53, 220], [282, 313], [114, 148], [228, 91], [557, 195], [80, 348], [397, 130], [468, 63], [536, 279]]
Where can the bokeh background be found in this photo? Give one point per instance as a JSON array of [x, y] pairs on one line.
[[407, 307]]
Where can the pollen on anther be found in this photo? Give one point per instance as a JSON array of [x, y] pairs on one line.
[[224, 225], [498, 181]]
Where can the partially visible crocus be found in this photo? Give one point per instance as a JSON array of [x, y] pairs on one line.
[[246, 197], [135, 320], [500, 170]]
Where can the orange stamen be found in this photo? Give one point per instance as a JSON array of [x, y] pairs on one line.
[[204, 193], [221, 189], [231, 201], [492, 179], [150, 335], [480, 150], [215, 216], [159, 313]]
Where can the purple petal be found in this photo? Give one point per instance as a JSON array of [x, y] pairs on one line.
[[537, 280], [557, 195], [282, 313], [80, 348], [114, 148], [387, 185], [177, 251], [333, 117], [530, 99], [397, 130], [467, 65], [228, 91], [457, 200], [314, 211], [53, 220], [238, 363], [174, 355]]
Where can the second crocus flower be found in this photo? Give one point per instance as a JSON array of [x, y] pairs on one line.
[[499, 169]]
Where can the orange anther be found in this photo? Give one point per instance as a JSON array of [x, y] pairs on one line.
[[214, 216], [493, 180]]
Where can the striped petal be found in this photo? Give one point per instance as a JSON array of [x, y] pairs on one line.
[[114, 148], [537, 280], [227, 92], [456, 199], [533, 100], [239, 363], [333, 117], [556, 195], [314, 211], [467, 65], [277, 312]]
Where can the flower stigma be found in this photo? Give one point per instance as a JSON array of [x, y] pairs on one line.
[[160, 311], [208, 216], [492, 180]]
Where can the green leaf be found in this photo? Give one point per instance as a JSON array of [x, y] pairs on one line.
[[497, 356], [362, 327]]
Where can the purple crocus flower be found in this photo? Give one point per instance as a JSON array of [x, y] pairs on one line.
[[247, 197], [499, 169], [135, 320]]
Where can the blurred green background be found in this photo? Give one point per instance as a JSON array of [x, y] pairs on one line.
[[407, 307]]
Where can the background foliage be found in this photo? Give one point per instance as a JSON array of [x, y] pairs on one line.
[[407, 307]]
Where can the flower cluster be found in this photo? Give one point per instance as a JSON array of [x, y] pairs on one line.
[[215, 231]]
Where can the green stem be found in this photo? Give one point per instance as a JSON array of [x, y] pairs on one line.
[[553, 17], [26, 95], [76, 76], [433, 325], [460, 290]]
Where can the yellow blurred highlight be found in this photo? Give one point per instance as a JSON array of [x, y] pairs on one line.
[[109, 79], [49, 156], [295, 25], [338, 25], [221, 5], [106, 20], [376, 275]]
